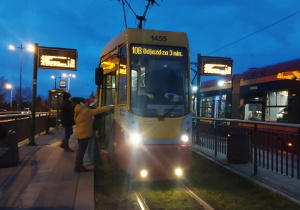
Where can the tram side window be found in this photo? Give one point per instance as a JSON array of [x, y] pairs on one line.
[[253, 111], [277, 106], [122, 94], [219, 106], [134, 88], [110, 89]]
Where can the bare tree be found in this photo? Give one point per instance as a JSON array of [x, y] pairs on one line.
[[41, 106], [26, 97]]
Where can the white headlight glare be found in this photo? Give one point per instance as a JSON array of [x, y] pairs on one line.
[[143, 173], [184, 138], [135, 138], [178, 172]]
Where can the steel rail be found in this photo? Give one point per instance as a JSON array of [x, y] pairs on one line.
[[141, 200], [203, 203]]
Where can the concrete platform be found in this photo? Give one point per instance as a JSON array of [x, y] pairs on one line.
[[45, 177]]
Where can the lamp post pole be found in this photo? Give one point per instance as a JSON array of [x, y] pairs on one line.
[[34, 85], [30, 48], [69, 83], [9, 87], [69, 76], [53, 77], [20, 91], [10, 99]]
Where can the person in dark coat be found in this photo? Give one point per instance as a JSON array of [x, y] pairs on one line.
[[67, 120]]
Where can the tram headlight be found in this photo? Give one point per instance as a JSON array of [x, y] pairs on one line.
[[178, 172], [135, 138], [184, 138], [143, 173]]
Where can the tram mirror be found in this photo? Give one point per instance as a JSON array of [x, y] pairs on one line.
[[99, 76], [123, 60]]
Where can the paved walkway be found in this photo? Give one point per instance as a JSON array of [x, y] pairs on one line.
[[45, 177], [285, 185]]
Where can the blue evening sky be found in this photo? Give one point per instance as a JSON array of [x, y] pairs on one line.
[[88, 25]]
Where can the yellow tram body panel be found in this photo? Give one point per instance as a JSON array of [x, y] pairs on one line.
[[154, 128]]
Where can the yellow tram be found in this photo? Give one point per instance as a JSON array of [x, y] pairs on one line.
[[145, 74]]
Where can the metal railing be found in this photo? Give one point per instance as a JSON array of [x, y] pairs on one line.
[[20, 124], [274, 146]]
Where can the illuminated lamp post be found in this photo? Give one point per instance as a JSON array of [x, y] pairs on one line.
[[194, 100], [194, 89], [68, 76], [9, 87], [30, 48], [53, 77], [221, 84]]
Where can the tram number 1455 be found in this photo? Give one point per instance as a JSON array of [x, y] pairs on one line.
[[159, 38]]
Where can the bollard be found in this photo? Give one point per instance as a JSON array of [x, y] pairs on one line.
[[10, 154]]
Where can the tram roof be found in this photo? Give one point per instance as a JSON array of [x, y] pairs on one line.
[[287, 68]]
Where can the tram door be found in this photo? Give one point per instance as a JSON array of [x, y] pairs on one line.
[[109, 87]]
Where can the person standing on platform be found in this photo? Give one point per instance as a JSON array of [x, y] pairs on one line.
[[89, 154], [67, 120], [84, 129]]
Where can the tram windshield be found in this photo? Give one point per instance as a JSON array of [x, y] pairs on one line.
[[159, 81]]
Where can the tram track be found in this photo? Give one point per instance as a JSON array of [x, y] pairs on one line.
[[141, 201], [143, 205], [205, 205]]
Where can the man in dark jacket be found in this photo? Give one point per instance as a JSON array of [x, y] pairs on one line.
[[67, 120]]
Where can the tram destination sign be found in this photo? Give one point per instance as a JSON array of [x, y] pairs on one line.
[[158, 51], [57, 58], [215, 66]]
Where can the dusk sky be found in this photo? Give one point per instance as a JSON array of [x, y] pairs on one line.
[[88, 25]]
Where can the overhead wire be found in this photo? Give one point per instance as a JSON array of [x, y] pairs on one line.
[[125, 16], [130, 8], [140, 18], [254, 33], [124, 13]]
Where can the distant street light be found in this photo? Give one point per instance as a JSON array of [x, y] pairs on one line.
[[221, 83], [68, 76], [53, 77], [30, 48], [9, 87], [194, 88]]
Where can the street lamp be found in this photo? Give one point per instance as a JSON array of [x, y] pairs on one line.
[[194, 89], [221, 83], [30, 48], [9, 87], [53, 77], [68, 76]]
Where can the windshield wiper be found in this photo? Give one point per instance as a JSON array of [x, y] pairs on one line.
[[170, 110]]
